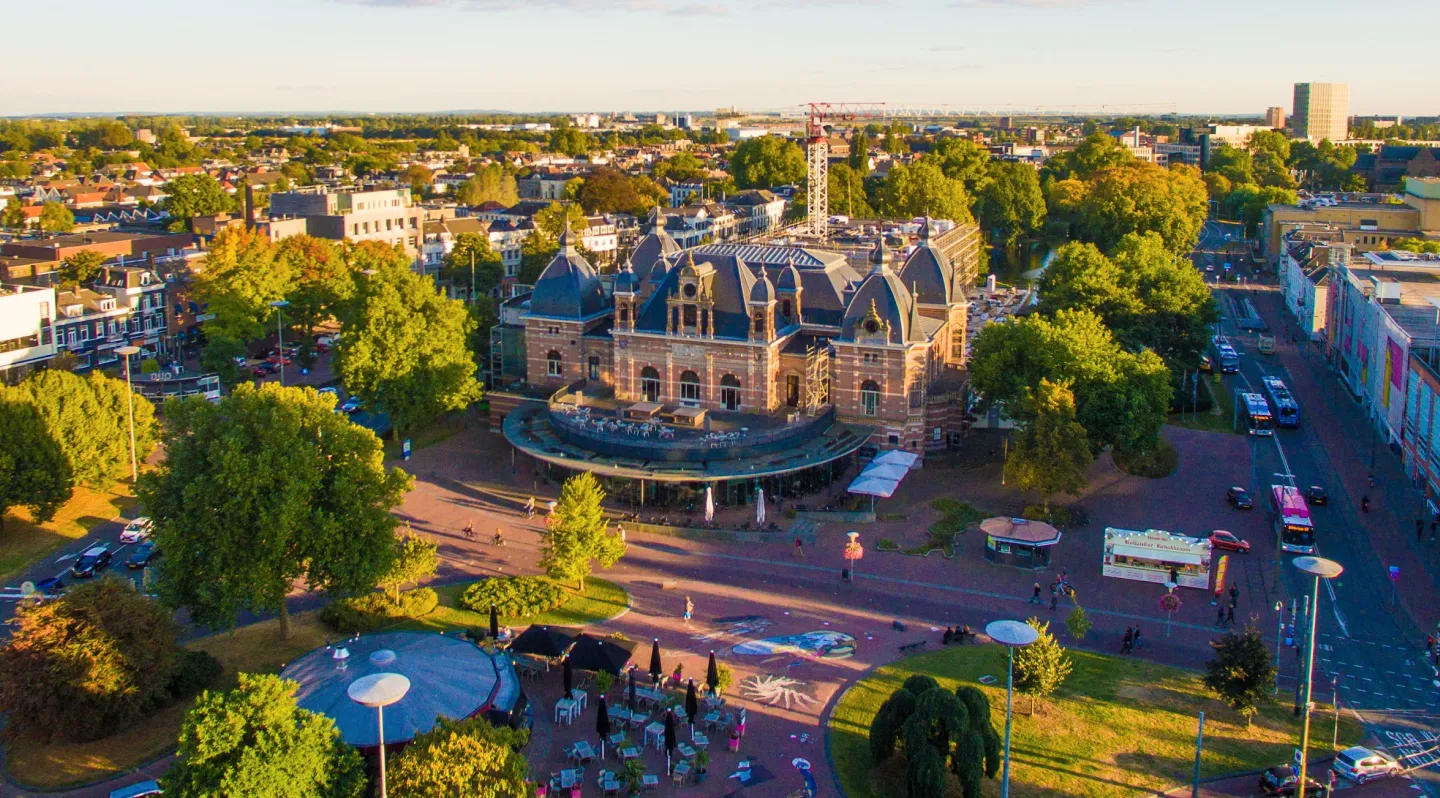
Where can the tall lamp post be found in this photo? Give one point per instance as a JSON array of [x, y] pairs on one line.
[[280, 305], [379, 690], [1320, 568], [1012, 635], [126, 352]]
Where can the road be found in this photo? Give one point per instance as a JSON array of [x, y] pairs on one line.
[[1367, 651]]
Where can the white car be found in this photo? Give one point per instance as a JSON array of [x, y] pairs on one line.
[[136, 530], [1361, 764]]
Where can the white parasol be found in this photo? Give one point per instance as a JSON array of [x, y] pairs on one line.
[[760, 507], [709, 504]]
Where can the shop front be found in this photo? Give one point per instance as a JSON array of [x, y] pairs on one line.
[[1154, 555]]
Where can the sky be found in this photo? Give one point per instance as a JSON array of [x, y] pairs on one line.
[[1133, 56]]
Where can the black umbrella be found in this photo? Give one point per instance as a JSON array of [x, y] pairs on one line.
[[692, 704], [544, 641], [669, 736], [712, 674], [494, 624], [632, 689], [601, 654], [602, 725], [567, 677], [655, 668]]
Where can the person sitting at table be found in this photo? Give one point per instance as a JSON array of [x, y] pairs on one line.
[[947, 637], [966, 632]]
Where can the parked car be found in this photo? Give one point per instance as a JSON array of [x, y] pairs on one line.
[[1239, 498], [136, 530], [277, 359], [263, 369], [350, 405], [93, 561], [51, 586], [239, 360], [1226, 541], [142, 555], [1361, 764], [1316, 495], [140, 789], [1205, 363], [1281, 780]]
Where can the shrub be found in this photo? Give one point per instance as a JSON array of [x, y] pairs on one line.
[[1058, 516], [886, 544], [514, 596], [1157, 463], [724, 677], [375, 610], [890, 516], [604, 680], [958, 515], [194, 671]]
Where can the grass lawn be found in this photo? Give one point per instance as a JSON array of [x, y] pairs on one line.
[[24, 543], [1217, 419], [426, 435], [256, 648], [601, 601], [1118, 727]]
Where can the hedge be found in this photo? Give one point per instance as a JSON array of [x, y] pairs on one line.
[[375, 610], [514, 596]]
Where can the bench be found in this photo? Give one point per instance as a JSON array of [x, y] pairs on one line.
[[915, 646], [960, 637]]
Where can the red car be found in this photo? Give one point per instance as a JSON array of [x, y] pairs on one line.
[[277, 359], [1226, 541]]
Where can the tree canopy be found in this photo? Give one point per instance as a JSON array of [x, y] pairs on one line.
[[922, 189], [34, 470], [1117, 200], [577, 532], [188, 196], [415, 560], [491, 183], [1010, 204], [767, 162], [1241, 672], [406, 348], [1051, 452], [1098, 151], [80, 268], [464, 757], [88, 417], [256, 741], [263, 488], [55, 218], [1041, 667], [472, 250], [241, 277], [607, 190]]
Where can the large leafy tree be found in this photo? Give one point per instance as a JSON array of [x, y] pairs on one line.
[[1233, 163], [55, 218], [472, 251], [240, 277], [1241, 672], [406, 348], [264, 488], [1325, 166], [966, 161], [80, 268], [859, 160], [189, 196], [847, 192], [1098, 151], [13, 217], [321, 278], [88, 664], [681, 168], [569, 141], [1119, 200], [578, 533], [88, 418], [1041, 667], [1052, 451], [34, 471], [491, 183], [464, 757], [1120, 397], [922, 189], [935, 725], [255, 740], [1010, 204], [767, 162], [610, 191]]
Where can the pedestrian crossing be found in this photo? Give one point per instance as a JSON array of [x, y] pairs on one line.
[[1374, 675]]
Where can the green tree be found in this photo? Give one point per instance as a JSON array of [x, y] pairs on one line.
[[1234, 164], [1274, 142], [1098, 151], [255, 740], [609, 191], [218, 356], [464, 757], [320, 280], [491, 183], [56, 218], [89, 664], [1241, 672], [1041, 667], [1416, 245], [577, 532], [93, 437], [1011, 205], [767, 162], [472, 250], [13, 217], [266, 487], [189, 196], [241, 277], [551, 220], [80, 268], [415, 560], [406, 348], [483, 316], [922, 189], [682, 168], [34, 470], [569, 141], [1078, 623], [114, 398], [968, 162], [1052, 452], [418, 176], [847, 192], [1143, 199], [859, 160]]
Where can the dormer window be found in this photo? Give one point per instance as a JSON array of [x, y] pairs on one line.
[[872, 326], [107, 304]]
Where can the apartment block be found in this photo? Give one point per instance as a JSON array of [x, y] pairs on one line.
[[384, 215], [1321, 111]]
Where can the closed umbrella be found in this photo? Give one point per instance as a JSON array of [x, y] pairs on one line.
[[632, 689], [602, 724], [712, 674], [669, 736], [567, 676], [709, 504], [494, 623], [655, 668], [760, 507], [692, 705]]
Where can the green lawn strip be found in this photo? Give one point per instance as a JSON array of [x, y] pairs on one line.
[[1119, 726], [1209, 420], [424, 435], [601, 601]]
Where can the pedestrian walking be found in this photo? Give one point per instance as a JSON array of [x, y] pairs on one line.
[[1434, 526], [621, 527], [1372, 479], [689, 610], [1220, 618], [1128, 641], [1137, 636], [799, 548], [1174, 576], [530, 508], [470, 531], [1035, 597], [499, 539], [1230, 615]]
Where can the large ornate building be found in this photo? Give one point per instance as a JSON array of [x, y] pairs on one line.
[[765, 330]]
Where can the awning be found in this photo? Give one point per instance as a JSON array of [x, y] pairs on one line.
[[896, 457], [885, 471], [873, 486], [1156, 555]]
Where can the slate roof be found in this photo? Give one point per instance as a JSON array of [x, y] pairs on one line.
[[883, 290], [928, 272], [568, 288], [730, 288]]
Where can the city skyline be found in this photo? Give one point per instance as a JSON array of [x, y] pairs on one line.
[[417, 56]]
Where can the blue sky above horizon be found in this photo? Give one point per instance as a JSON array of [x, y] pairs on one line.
[[1221, 56]]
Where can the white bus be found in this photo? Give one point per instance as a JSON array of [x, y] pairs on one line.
[[1255, 412]]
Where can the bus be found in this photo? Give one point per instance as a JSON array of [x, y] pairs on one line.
[[1227, 360], [1292, 520], [1256, 413], [1287, 412], [160, 387]]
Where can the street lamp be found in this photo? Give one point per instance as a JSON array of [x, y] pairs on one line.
[[379, 690], [1320, 568], [126, 352], [280, 305], [1012, 635]]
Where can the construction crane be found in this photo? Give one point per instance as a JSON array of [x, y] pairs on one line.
[[817, 153]]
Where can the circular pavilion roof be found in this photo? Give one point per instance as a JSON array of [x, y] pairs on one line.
[[447, 676]]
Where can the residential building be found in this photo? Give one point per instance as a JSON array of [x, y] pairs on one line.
[[1275, 117], [1173, 152], [27, 323], [1321, 111], [384, 215], [1387, 167], [756, 211], [124, 247], [1237, 136], [1421, 438], [440, 240], [1305, 263]]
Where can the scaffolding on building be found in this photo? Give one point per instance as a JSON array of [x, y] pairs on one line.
[[817, 377]]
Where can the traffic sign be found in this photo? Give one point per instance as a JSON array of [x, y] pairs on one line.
[[405, 449], [1394, 572]]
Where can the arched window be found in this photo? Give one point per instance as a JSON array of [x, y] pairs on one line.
[[624, 315], [650, 384], [785, 308], [730, 392], [869, 398], [690, 389], [759, 324], [552, 364]]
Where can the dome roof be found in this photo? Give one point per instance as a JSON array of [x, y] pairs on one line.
[[883, 302], [930, 273], [626, 282], [568, 288], [789, 278], [656, 243], [763, 290], [659, 270]]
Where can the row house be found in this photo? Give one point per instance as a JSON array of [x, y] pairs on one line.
[[126, 305], [1305, 264]]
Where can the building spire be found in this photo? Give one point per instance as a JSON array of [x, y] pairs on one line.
[[567, 240], [879, 257]]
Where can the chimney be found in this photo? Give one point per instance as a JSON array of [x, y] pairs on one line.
[[249, 206]]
